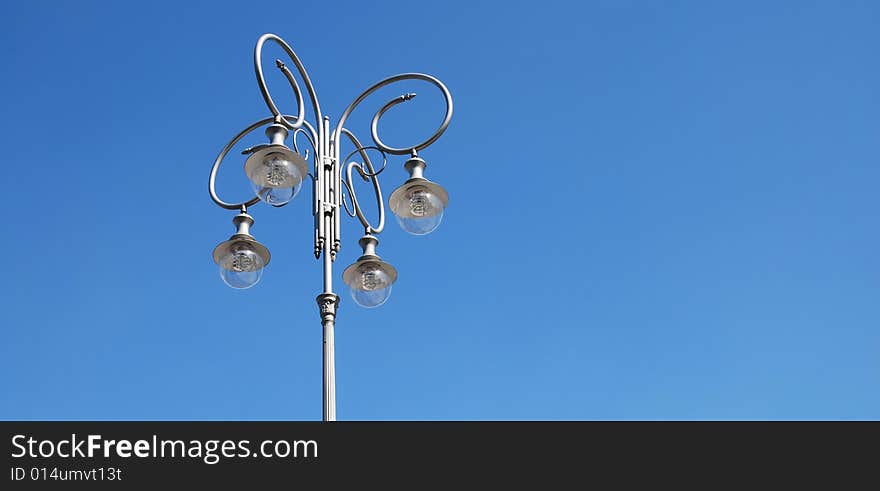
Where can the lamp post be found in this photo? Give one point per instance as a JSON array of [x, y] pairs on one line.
[[276, 173]]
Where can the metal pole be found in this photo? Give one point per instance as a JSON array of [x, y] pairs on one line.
[[329, 372], [328, 301]]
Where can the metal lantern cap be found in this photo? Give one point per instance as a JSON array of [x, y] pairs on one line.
[[260, 152], [225, 248], [368, 243], [396, 201], [349, 276]]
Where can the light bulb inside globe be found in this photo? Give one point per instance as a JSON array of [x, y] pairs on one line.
[[241, 267], [418, 206]]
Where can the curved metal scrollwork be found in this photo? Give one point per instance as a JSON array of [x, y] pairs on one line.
[[374, 126], [329, 183], [261, 81], [296, 133], [371, 174], [315, 134]]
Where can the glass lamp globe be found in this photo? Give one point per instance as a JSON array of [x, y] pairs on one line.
[[418, 205], [241, 267], [276, 174], [369, 281]]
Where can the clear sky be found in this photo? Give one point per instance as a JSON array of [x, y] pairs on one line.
[[658, 210]]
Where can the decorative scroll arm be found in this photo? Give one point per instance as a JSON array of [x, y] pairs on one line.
[[366, 174], [311, 140], [390, 80], [258, 70]]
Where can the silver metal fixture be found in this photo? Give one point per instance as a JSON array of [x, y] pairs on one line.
[[419, 203], [275, 171], [370, 278], [276, 174], [241, 258]]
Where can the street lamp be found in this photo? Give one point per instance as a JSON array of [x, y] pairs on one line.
[[276, 174]]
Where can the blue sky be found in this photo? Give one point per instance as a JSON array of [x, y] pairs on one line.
[[658, 210]]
